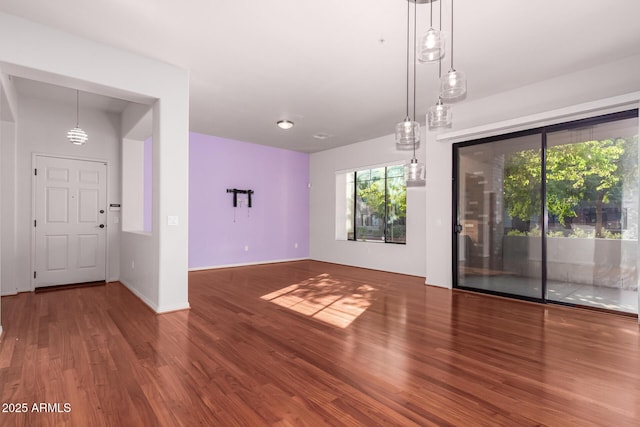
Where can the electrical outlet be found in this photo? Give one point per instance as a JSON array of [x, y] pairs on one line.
[[295, 245], [133, 265], [246, 248]]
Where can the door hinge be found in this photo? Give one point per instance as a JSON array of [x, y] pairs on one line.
[[34, 223], [35, 171], [34, 274]]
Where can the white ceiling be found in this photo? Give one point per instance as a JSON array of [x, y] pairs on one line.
[[338, 66]]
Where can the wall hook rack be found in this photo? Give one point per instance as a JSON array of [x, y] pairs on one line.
[[235, 192]]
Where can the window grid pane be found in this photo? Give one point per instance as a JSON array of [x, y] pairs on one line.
[[377, 198], [396, 205], [350, 205]]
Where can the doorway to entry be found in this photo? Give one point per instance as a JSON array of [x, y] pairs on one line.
[[551, 214], [69, 237]]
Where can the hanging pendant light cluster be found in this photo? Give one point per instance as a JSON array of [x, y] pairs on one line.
[[77, 136], [453, 87], [414, 171]]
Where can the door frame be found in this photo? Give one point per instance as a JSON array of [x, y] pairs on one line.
[[543, 130], [34, 157], [455, 217]]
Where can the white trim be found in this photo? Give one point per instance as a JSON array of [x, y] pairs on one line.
[[1, 331], [575, 112], [435, 285], [151, 305], [34, 156], [139, 233], [171, 308], [140, 296], [244, 264], [367, 167]]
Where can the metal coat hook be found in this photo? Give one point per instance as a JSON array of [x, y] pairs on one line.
[[235, 192]]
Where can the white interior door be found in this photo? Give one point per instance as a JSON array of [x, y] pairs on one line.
[[70, 221]]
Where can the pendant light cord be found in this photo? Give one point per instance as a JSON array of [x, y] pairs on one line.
[[440, 29], [431, 13], [407, 60], [415, 12], [452, 34], [77, 108]]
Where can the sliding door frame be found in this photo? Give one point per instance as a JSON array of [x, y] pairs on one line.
[[542, 131]]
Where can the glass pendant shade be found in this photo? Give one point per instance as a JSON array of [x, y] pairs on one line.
[[439, 115], [77, 136], [407, 134], [431, 47], [453, 85], [414, 173]]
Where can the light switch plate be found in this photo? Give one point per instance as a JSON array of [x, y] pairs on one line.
[[172, 220]]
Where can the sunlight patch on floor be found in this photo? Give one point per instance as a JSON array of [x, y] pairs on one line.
[[335, 302]]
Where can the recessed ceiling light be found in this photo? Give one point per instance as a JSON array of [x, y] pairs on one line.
[[322, 136], [285, 124]]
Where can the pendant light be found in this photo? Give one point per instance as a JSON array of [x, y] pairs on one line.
[[439, 115], [76, 135], [414, 172], [454, 85], [431, 47], [408, 130]]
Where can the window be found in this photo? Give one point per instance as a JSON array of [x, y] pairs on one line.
[[373, 205]]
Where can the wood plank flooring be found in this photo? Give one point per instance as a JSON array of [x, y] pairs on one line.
[[311, 344]]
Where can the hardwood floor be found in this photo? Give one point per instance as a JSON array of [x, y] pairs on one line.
[[344, 347]]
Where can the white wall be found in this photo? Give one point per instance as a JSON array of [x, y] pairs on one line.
[[42, 129], [133, 191], [2, 205], [564, 93], [8, 117], [8, 161], [137, 124], [71, 61], [407, 259], [137, 272]]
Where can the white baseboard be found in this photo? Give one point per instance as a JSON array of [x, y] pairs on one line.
[[8, 294], [174, 307], [244, 264], [141, 297], [154, 307]]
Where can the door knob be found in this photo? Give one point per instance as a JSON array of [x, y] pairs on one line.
[[101, 210], [101, 226]]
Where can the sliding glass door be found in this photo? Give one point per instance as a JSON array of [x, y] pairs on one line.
[[499, 216], [592, 200], [573, 240]]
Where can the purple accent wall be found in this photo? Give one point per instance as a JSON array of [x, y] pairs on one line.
[[279, 218], [147, 207]]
